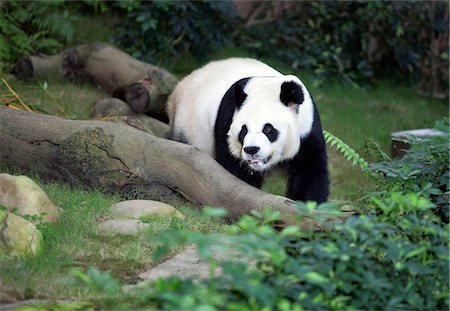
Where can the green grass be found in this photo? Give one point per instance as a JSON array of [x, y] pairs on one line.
[[69, 244], [75, 242], [59, 98], [356, 116]]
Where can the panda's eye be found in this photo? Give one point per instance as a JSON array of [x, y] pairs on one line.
[[270, 132], [267, 128]]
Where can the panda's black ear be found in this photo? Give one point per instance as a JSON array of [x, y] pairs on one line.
[[239, 95], [291, 94]]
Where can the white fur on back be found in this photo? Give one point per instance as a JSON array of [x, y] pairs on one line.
[[203, 88], [194, 104]]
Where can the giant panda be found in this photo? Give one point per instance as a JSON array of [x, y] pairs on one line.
[[251, 118]]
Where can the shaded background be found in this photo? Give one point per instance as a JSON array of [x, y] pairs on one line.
[[351, 41]]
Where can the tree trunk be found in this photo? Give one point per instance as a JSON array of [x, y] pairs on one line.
[[143, 86], [122, 159]]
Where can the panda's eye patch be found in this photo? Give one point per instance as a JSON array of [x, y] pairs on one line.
[[242, 134], [270, 132]]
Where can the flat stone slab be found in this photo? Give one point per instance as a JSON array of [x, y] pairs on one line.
[[419, 133], [135, 209], [123, 226], [185, 264]]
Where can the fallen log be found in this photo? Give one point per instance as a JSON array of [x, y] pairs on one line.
[[143, 86], [121, 159]]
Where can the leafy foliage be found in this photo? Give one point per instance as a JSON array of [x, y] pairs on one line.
[[327, 34], [348, 152], [30, 27], [155, 31], [329, 38], [374, 262], [424, 170], [324, 36]]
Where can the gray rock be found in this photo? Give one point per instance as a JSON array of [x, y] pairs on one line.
[[185, 264], [25, 197], [123, 226], [110, 107], [400, 141], [135, 209], [18, 236], [188, 264]]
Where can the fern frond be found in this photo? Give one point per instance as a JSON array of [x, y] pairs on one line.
[[56, 24], [349, 153], [373, 145]]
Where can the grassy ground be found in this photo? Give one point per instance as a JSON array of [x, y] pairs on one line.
[[353, 115], [77, 243]]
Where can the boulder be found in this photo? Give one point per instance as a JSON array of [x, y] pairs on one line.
[[123, 226], [110, 107], [18, 236], [21, 195], [185, 264], [189, 264], [136, 209], [400, 141]]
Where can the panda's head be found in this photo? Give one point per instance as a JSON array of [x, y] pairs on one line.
[[272, 114]]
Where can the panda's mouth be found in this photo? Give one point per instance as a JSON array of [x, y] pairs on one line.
[[258, 163]]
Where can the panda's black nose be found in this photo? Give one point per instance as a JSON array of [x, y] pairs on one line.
[[251, 150]]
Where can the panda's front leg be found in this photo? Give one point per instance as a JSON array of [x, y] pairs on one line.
[[308, 171]]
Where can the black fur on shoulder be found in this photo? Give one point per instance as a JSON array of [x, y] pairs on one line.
[[308, 172], [231, 102]]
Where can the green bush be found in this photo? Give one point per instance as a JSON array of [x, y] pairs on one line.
[[423, 170], [159, 30], [325, 40], [30, 27], [352, 40], [373, 262]]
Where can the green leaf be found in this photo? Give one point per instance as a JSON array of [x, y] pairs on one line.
[[416, 252], [349, 154], [316, 278], [291, 231], [44, 86]]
